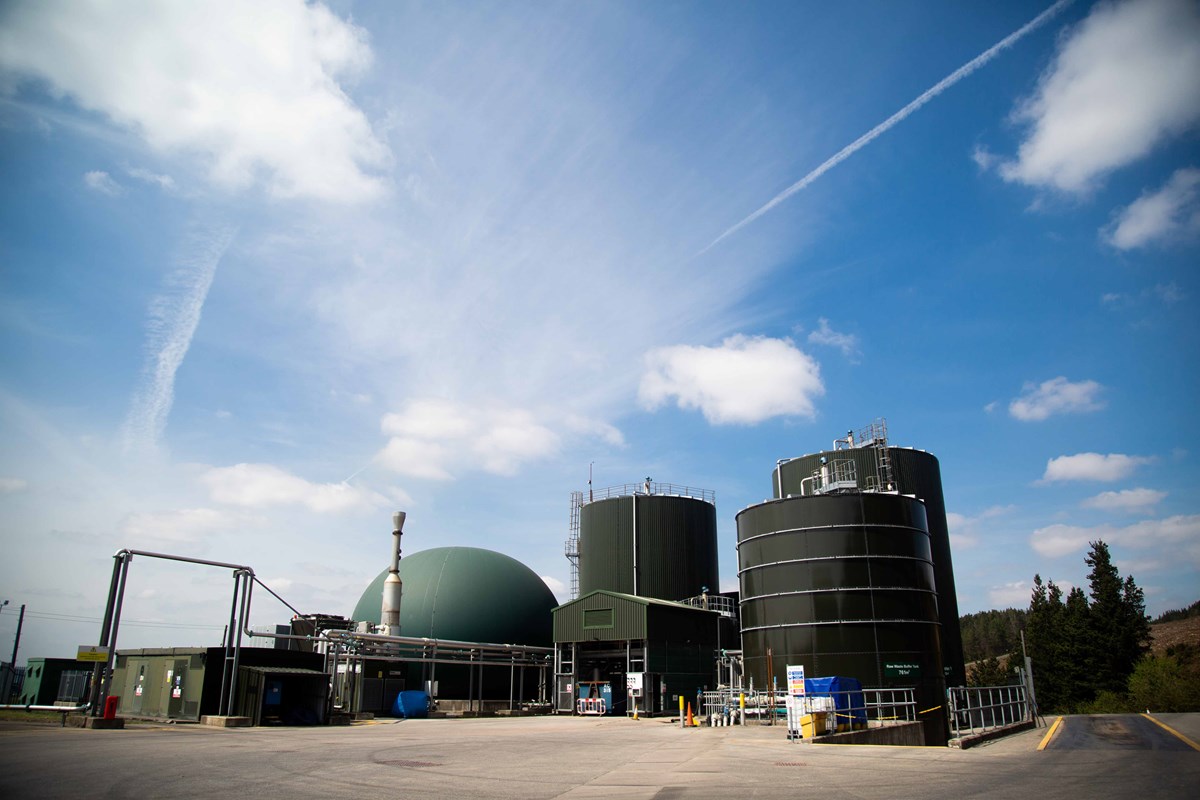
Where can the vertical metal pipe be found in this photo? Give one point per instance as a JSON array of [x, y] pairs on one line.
[[247, 587], [12, 662], [105, 627], [633, 499], [433, 675], [116, 624], [228, 644], [471, 682], [331, 665]]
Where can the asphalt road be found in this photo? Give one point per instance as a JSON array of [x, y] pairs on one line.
[[1114, 732], [553, 757]]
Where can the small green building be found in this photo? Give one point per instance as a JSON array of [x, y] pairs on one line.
[[184, 683], [635, 652], [54, 680]]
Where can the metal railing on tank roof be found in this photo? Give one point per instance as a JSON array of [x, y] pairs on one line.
[[651, 487]]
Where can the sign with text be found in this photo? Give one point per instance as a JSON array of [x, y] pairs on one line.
[[901, 669], [92, 652], [795, 680]]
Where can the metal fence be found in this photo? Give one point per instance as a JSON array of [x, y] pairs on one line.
[[975, 709], [651, 487], [844, 709], [73, 686]]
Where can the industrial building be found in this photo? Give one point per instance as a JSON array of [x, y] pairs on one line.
[[460, 601], [646, 627], [186, 683], [878, 466], [53, 680], [844, 573]]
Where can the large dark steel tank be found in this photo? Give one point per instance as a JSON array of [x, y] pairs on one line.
[[843, 584], [676, 546], [914, 472]]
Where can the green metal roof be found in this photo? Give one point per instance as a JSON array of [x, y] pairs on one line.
[[603, 615], [469, 594], [630, 597]]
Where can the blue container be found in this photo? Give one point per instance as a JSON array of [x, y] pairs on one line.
[[847, 694], [411, 705]]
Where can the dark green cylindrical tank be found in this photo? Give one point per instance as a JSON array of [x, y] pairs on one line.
[[676, 546], [914, 472], [843, 584], [467, 594]]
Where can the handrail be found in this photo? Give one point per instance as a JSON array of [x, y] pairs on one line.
[[665, 489]]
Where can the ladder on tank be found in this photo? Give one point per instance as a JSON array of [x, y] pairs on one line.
[[571, 546], [883, 461]]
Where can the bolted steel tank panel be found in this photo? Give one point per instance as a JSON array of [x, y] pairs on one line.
[[914, 472], [676, 546], [845, 585]]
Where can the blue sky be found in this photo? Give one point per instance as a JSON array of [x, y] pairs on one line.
[[269, 271]]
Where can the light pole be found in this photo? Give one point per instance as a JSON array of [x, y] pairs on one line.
[[6, 683]]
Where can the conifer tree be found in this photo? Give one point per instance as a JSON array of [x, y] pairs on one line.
[[1120, 631]]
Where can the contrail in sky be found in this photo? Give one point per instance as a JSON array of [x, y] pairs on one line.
[[174, 316], [889, 123]]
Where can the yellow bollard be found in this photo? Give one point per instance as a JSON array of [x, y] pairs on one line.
[[681, 717]]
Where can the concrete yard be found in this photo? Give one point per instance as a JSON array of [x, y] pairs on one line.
[[562, 757]]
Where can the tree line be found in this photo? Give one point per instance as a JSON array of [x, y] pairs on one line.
[[1090, 651]]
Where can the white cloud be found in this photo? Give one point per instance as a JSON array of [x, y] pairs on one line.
[[429, 419], [1181, 532], [1059, 540], [1137, 501], [1055, 396], [743, 381], [596, 429], [895, 119], [100, 181], [557, 587], [13, 485], [984, 158], [512, 438], [173, 319], [432, 439], [966, 531], [415, 458], [1123, 81], [184, 526], [846, 342], [1010, 595], [259, 485], [164, 182], [1168, 293], [1093, 467], [991, 407], [251, 87], [1172, 211]]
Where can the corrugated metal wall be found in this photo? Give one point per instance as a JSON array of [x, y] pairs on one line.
[[918, 473], [676, 544], [844, 585], [628, 620]]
